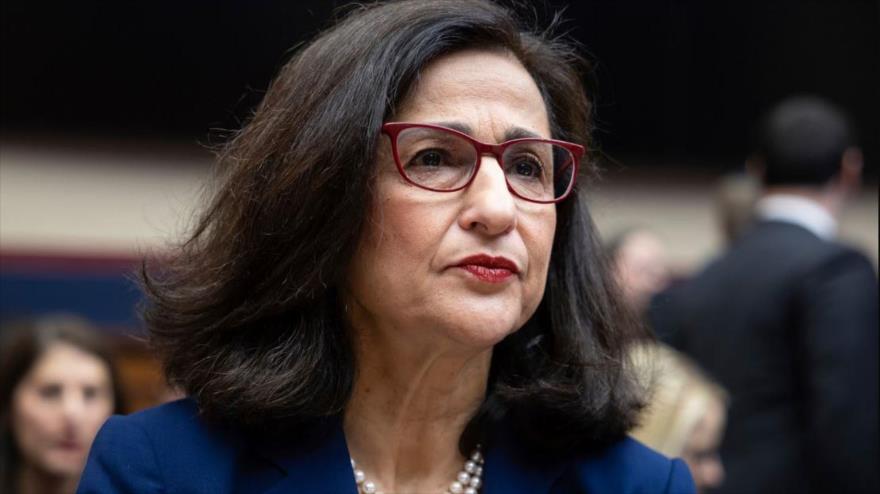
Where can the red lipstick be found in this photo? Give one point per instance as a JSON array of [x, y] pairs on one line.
[[488, 268]]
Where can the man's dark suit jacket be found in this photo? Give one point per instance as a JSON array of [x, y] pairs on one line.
[[788, 323], [169, 449]]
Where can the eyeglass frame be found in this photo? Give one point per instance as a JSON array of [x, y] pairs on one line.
[[393, 130]]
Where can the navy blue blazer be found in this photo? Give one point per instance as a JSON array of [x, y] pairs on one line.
[[169, 449]]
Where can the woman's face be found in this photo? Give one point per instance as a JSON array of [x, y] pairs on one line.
[[641, 269], [412, 273], [58, 407]]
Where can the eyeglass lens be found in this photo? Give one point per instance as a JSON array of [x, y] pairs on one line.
[[442, 160]]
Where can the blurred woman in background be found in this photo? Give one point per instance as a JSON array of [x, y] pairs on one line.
[[686, 415], [639, 265], [57, 386]]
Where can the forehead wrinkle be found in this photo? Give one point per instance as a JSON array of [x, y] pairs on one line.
[[502, 129], [475, 84], [503, 91], [438, 97]]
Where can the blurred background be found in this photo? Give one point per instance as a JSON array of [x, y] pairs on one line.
[[109, 110]]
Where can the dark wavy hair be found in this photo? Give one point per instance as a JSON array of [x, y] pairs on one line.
[[22, 343], [246, 313]]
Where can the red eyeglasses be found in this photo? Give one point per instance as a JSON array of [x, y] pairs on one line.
[[445, 160]]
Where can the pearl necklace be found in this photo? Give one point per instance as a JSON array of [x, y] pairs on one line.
[[468, 480]]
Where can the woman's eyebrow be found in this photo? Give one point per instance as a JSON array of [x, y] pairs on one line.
[[510, 134], [461, 127], [519, 133]]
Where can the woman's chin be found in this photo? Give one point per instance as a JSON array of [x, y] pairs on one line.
[[479, 331], [64, 464]]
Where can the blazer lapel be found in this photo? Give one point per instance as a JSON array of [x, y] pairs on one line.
[[316, 463], [509, 468], [319, 463]]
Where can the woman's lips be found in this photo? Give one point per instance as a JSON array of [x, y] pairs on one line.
[[71, 446], [489, 269], [489, 275]]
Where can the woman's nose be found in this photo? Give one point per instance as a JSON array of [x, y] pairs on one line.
[[73, 406], [490, 207]]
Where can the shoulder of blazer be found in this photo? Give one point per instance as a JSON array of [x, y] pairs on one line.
[[169, 445], [179, 425], [769, 250], [801, 253], [791, 239], [626, 467]]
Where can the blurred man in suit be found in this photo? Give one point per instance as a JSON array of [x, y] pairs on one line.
[[787, 319]]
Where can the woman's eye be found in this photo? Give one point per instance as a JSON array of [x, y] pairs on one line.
[[90, 392], [528, 168], [430, 158], [49, 392]]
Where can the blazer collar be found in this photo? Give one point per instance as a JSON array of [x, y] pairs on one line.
[[511, 467], [798, 210], [318, 462], [313, 462]]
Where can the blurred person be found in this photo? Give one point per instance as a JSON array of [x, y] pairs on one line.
[[640, 266], [686, 414], [787, 319], [397, 287], [57, 386], [735, 198]]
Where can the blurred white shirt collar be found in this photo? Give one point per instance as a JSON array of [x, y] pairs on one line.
[[800, 211]]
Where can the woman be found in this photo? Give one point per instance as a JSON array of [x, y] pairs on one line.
[[640, 267], [57, 386], [687, 413], [370, 302]]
